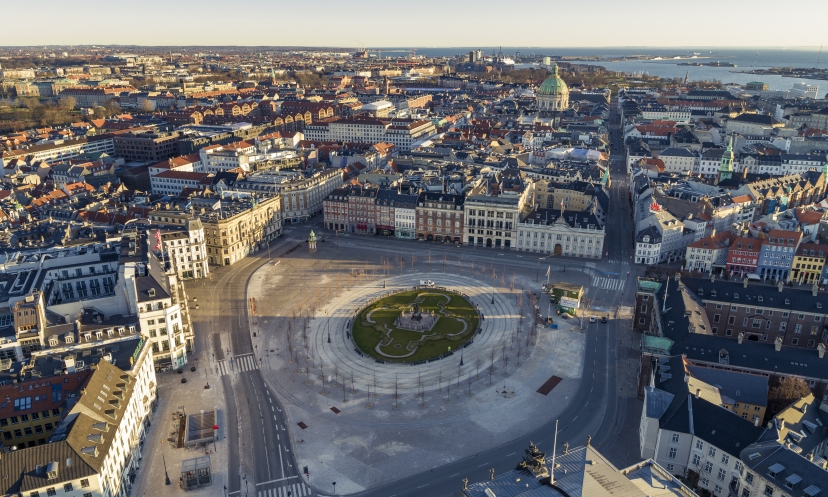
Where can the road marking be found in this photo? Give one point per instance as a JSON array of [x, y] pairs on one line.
[[421, 486], [486, 464], [576, 417], [452, 476], [507, 455], [276, 480]]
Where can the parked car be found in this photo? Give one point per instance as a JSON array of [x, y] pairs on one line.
[[603, 319], [426, 283], [592, 319]]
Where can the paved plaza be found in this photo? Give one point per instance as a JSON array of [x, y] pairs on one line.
[[369, 422]]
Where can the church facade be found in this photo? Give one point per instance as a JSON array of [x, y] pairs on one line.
[[553, 94]]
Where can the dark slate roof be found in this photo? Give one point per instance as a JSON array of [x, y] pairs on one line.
[[754, 119], [652, 232], [760, 457], [657, 402], [799, 299], [715, 425], [25, 469], [749, 354], [741, 387], [676, 152]]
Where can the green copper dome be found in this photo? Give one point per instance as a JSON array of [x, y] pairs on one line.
[[553, 85]]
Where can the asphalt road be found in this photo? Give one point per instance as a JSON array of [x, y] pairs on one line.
[[223, 310], [592, 411]]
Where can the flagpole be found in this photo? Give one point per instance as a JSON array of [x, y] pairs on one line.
[[554, 446]]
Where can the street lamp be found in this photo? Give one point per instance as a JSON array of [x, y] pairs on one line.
[[537, 270], [166, 476], [336, 233]]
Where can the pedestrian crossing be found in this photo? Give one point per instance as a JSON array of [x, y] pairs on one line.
[[290, 490], [239, 364], [608, 283], [617, 261]]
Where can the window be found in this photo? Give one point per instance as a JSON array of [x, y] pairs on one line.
[[725, 459], [84, 483], [718, 490], [67, 487], [696, 460], [671, 467], [675, 438], [708, 467], [768, 490], [23, 404], [699, 445], [722, 474], [57, 393], [749, 478], [711, 451], [671, 455], [51, 491]]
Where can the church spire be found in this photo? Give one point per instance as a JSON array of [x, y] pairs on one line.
[[726, 165]]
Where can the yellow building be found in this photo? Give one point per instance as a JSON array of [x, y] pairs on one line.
[[744, 394], [808, 263]]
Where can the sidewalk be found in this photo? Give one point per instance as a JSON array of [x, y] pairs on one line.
[[193, 397]]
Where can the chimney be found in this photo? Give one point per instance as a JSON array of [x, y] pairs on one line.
[[698, 392], [777, 344], [814, 289], [741, 337], [756, 421], [712, 278], [745, 281], [780, 285], [821, 350]]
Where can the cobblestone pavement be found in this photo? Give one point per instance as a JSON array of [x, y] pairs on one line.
[[158, 451], [359, 433]]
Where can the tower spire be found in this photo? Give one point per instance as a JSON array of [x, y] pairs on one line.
[[726, 164]]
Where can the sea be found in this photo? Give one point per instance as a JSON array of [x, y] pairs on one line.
[[744, 58]]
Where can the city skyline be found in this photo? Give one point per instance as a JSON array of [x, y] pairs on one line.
[[371, 24]]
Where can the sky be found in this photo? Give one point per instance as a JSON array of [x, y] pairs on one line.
[[425, 23]]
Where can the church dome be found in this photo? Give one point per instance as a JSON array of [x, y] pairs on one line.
[[553, 85]]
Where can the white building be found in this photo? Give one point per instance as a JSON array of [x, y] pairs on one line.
[[302, 195], [405, 223], [184, 245], [803, 90], [97, 446], [173, 182], [573, 234], [403, 133], [217, 158], [160, 320], [660, 238], [678, 160]]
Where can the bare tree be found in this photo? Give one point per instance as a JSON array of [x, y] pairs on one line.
[[448, 392], [469, 381], [336, 375], [396, 393], [353, 390], [440, 380], [375, 384], [413, 260], [477, 367]]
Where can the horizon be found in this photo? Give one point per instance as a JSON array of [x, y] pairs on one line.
[[431, 23], [436, 47]]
